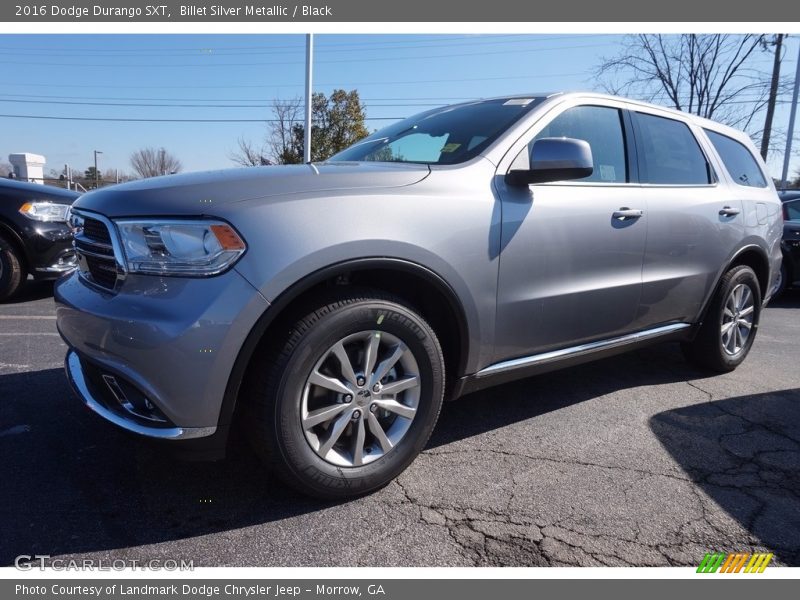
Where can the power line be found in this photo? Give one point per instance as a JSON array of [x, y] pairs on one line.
[[150, 120], [285, 85], [290, 63], [149, 105], [275, 100], [298, 48]]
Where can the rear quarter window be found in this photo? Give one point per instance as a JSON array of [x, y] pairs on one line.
[[738, 160], [669, 153]]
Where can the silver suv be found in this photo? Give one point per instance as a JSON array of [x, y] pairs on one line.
[[329, 308]]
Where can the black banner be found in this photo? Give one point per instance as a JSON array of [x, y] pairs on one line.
[[408, 11], [730, 588]]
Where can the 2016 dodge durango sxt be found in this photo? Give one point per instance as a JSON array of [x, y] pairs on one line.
[[330, 308]]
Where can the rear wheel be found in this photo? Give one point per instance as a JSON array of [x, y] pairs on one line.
[[727, 333], [348, 401], [12, 270]]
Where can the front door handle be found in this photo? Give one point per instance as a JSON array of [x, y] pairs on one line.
[[625, 213], [729, 211]]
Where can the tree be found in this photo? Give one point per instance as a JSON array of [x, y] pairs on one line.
[[5, 169], [708, 75], [336, 123], [152, 162], [248, 155], [92, 176]]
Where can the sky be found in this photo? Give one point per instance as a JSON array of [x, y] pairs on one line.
[[207, 91]]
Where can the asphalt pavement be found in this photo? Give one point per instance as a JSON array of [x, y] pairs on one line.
[[635, 460]]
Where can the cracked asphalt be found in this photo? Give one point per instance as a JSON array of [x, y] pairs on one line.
[[635, 460]]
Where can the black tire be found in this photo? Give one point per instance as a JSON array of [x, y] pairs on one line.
[[274, 391], [707, 349], [12, 270]]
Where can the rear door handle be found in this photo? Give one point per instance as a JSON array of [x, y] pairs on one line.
[[729, 211], [625, 213]]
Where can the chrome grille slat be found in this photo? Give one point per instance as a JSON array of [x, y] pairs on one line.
[[99, 255]]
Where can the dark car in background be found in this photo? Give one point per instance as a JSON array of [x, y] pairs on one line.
[[34, 236], [790, 245]]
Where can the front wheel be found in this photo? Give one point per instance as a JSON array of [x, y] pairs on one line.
[[12, 271], [350, 398], [728, 331]]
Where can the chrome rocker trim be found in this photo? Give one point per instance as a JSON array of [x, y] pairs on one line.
[[546, 357]]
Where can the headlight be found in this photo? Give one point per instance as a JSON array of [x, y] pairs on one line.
[[45, 211], [190, 248]]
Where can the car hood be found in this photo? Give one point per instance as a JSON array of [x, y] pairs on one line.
[[199, 193]]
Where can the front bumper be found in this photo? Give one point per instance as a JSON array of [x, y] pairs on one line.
[[100, 401], [168, 344], [49, 250]]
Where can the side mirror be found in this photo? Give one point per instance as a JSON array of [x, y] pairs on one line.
[[555, 159]]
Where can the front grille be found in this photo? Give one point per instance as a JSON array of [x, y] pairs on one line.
[[103, 272], [96, 230], [81, 243], [96, 256]]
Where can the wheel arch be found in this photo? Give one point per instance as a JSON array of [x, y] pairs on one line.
[[751, 255], [9, 233], [441, 307]]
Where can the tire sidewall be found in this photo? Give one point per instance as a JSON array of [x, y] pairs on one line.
[[12, 273], [742, 275], [326, 478]]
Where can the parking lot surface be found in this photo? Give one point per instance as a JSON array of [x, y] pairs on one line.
[[635, 460]]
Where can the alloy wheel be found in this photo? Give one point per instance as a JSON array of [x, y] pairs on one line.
[[360, 398], [737, 319]]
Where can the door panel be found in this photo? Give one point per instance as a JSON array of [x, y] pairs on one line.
[[569, 271], [688, 238], [687, 243], [570, 268]]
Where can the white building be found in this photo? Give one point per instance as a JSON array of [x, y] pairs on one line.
[[28, 167]]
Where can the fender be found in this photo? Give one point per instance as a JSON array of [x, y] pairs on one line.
[[732, 259], [296, 289]]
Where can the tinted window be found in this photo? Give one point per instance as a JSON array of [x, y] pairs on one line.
[[741, 165], [447, 135], [792, 210], [602, 128], [669, 153]]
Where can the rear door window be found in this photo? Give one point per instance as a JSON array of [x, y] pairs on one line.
[[740, 163], [669, 153]]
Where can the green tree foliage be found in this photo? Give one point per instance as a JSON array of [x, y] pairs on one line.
[[337, 122], [91, 175]]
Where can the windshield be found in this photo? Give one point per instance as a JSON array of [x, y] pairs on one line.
[[442, 136]]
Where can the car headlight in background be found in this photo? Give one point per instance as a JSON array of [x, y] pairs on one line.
[[45, 211], [189, 248]]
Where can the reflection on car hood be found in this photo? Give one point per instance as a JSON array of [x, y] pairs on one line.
[[198, 193]]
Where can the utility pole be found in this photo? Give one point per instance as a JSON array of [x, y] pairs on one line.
[[96, 174], [309, 93], [773, 96], [790, 134]]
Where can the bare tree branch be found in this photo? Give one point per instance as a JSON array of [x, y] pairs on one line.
[[152, 162], [707, 75]]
